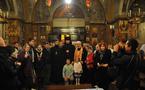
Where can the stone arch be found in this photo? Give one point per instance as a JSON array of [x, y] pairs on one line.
[[75, 10], [59, 4]]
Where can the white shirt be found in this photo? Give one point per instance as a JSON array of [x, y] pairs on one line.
[[77, 67]]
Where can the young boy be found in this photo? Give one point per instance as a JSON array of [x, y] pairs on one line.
[[68, 72]]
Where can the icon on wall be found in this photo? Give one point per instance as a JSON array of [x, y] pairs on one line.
[[123, 26]]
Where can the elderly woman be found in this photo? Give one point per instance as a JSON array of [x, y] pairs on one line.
[[89, 62]]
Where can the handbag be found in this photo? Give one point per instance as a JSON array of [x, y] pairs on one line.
[[90, 65]]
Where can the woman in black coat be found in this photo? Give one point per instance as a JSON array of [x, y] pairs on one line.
[[27, 72], [102, 60]]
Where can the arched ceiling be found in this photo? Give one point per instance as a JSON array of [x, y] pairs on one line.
[[59, 3], [111, 8], [95, 14], [72, 11]]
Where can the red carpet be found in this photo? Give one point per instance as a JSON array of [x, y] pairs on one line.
[[67, 87]]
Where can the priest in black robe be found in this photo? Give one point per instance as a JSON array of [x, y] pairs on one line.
[[68, 49], [58, 60]]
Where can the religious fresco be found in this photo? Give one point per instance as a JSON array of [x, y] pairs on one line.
[[133, 31], [127, 29], [123, 26], [41, 12], [13, 31], [96, 12]]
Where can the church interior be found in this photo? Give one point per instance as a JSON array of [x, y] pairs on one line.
[[88, 21]]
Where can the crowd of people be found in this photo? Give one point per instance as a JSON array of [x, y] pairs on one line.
[[120, 67]]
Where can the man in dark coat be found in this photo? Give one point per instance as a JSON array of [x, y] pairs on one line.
[[35, 62], [128, 64], [68, 49], [8, 74], [32, 50], [57, 57], [46, 64]]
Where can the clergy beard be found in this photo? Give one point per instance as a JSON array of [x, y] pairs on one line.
[[78, 49]]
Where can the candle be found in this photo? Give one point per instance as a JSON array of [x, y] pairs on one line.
[[110, 26], [7, 14], [4, 14], [1, 12], [138, 11], [130, 13]]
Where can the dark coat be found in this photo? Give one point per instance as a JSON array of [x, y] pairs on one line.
[[84, 77], [84, 54], [26, 70], [33, 54], [58, 60], [57, 55], [8, 74], [71, 49], [102, 57], [102, 77], [46, 56], [45, 64], [128, 65]]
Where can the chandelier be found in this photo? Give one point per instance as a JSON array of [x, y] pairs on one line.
[[136, 14]]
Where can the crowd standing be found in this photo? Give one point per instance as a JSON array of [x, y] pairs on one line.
[[121, 67]]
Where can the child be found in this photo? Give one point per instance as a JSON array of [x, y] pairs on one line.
[[68, 72], [77, 71]]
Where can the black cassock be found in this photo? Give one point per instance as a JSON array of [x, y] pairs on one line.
[[58, 60], [69, 50]]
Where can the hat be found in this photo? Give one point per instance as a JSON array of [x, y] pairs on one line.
[[78, 42], [67, 38]]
